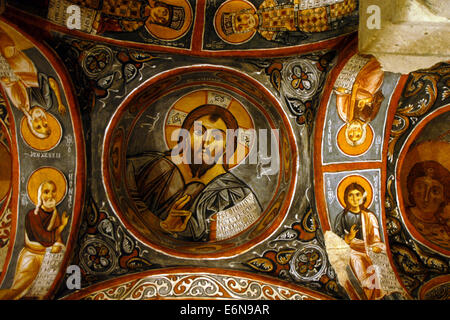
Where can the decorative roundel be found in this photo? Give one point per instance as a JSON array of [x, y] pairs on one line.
[[97, 60], [194, 166], [302, 79], [308, 263], [224, 25], [98, 256]]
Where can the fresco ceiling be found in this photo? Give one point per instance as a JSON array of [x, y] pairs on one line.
[[320, 176]]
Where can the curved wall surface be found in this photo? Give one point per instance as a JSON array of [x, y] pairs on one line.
[[216, 150]]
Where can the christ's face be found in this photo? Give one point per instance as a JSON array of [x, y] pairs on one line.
[[208, 140], [428, 194], [48, 196], [245, 22]]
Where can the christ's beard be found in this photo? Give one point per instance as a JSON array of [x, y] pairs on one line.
[[199, 169]]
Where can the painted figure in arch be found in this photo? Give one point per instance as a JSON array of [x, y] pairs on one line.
[[43, 228], [428, 184], [21, 80], [359, 97], [360, 229], [174, 17], [284, 21], [113, 17], [195, 199]]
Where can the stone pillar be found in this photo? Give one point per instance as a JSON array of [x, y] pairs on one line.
[[405, 35]]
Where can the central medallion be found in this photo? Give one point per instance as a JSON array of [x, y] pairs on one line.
[[196, 163]]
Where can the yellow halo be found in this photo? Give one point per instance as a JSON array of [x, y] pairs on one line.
[[363, 182], [166, 33], [46, 174], [233, 6], [181, 108], [350, 150], [44, 144]]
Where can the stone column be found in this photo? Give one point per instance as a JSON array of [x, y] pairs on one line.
[[405, 35]]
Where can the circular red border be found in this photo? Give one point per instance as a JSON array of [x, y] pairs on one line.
[[401, 158], [223, 86], [433, 283], [226, 253]]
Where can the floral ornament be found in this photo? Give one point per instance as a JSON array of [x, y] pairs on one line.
[[106, 247], [140, 56], [272, 261], [96, 60], [300, 78], [98, 256], [324, 61], [109, 69], [3, 113], [262, 264], [307, 116], [299, 82], [308, 261], [284, 256], [96, 63], [330, 285], [274, 71], [5, 228]]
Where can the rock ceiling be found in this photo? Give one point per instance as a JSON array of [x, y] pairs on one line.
[[336, 184]]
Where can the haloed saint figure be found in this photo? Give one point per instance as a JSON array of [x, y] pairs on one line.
[[166, 20], [359, 228], [283, 21], [20, 79], [428, 186], [43, 228], [190, 188]]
